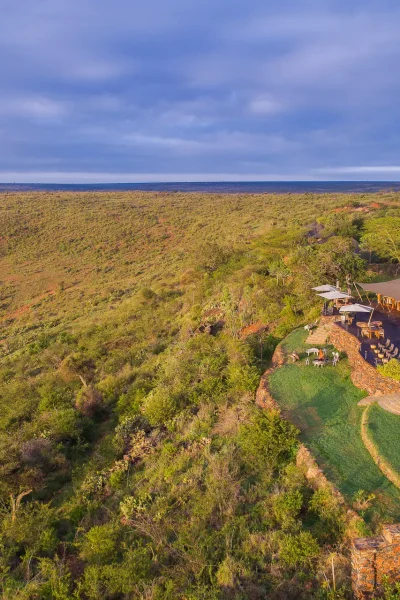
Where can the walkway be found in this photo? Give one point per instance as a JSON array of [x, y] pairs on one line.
[[319, 336], [389, 402]]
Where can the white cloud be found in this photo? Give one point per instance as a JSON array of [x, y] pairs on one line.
[[93, 177], [34, 106], [264, 105], [363, 169]]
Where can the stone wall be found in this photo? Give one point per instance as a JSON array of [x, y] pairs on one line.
[[363, 375], [264, 398], [317, 480], [374, 559]]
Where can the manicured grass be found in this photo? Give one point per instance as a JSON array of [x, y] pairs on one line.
[[384, 429], [297, 341], [323, 404]]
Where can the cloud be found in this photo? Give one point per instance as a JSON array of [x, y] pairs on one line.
[[93, 177], [34, 106], [265, 106], [190, 87], [360, 169]]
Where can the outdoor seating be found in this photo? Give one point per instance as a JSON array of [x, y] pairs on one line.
[[371, 332], [389, 350], [393, 354], [312, 351], [318, 363], [385, 345]]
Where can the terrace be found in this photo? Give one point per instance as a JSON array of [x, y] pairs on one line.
[[390, 326], [374, 324]]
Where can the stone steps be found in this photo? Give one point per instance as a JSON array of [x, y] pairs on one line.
[[320, 335]]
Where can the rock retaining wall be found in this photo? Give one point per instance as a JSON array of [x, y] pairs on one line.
[[264, 398], [363, 375], [375, 559]]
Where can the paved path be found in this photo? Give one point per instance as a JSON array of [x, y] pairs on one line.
[[389, 402]]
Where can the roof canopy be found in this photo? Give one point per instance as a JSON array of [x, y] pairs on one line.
[[325, 288], [334, 295], [353, 308], [386, 288]]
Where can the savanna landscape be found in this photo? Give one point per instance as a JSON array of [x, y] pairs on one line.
[[134, 329]]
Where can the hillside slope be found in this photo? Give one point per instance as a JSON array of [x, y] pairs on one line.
[[136, 463]]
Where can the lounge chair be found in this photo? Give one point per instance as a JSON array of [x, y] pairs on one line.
[[389, 350], [385, 345], [393, 354]]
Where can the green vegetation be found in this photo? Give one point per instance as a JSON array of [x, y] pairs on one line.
[[391, 369], [133, 461], [323, 404], [384, 431]]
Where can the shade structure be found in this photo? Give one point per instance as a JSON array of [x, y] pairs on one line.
[[356, 308], [386, 288], [324, 288], [335, 295]]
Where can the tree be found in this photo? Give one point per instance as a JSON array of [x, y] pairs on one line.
[[382, 236]]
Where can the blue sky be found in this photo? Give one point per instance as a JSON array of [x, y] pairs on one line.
[[166, 90]]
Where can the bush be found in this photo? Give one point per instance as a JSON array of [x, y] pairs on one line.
[[243, 378], [298, 550], [286, 507], [391, 369], [160, 406], [37, 452], [99, 545], [89, 401], [268, 442]]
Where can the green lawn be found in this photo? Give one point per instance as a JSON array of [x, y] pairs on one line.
[[384, 429], [323, 404]]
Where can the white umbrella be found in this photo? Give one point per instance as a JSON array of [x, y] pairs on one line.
[[325, 288], [334, 295], [354, 308]]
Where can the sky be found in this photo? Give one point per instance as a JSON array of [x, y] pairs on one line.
[[189, 90]]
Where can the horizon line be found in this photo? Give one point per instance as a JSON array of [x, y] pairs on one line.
[[200, 181]]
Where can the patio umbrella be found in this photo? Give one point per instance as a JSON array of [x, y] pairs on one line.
[[325, 288], [334, 295], [354, 308], [357, 308]]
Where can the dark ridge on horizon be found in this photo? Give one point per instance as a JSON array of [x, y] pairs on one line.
[[223, 187]]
